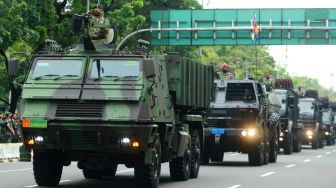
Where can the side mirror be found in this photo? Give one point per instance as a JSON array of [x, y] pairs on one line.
[[13, 67], [149, 68]]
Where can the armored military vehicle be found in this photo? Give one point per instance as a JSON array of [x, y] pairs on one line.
[[328, 121], [102, 109], [310, 117], [243, 117], [291, 133]]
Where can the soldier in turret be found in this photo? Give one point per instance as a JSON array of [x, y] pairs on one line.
[[98, 35], [267, 80], [224, 73], [300, 91]]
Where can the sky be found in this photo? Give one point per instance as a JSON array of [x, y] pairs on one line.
[[313, 61]]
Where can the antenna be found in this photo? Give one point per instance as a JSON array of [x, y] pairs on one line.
[[87, 5]]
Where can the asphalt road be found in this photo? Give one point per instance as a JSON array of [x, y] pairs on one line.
[[308, 169]]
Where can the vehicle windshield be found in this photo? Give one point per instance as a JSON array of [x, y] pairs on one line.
[[306, 107], [240, 92], [57, 68], [115, 68], [326, 117]]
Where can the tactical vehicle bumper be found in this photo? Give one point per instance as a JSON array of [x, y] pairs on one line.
[[91, 136], [230, 139]]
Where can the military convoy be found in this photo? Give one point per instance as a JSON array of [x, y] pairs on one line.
[[104, 108], [310, 117], [290, 135], [243, 117]]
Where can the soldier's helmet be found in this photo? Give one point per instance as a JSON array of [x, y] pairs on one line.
[[225, 67]]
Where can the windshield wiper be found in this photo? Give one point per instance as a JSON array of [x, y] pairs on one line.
[[48, 75], [119, 77], [107, 76], [67, 75]]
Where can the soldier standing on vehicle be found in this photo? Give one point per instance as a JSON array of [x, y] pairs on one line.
[[300, 91], [267, 80], [224, 73], [98, 35], [2, 126]]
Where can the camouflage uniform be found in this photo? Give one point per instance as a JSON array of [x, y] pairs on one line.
[[98, 35], [267, 81], [225, 75]]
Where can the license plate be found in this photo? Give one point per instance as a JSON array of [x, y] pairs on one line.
[[217, 131], [34, 123]]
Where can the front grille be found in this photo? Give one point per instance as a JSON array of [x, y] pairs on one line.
[[82, 110], [220, 122], [80, 139]]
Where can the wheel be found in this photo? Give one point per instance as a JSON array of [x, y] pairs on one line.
[[266, 153], [315, 142], [288, 144], [321, 141], [47, 167], [274, 144], [92, 173], [179, 167], [297, 142], [329, 141], [195, 153], [110, 170], [217, 156], [256, 157], [148, 175], [205, 156]]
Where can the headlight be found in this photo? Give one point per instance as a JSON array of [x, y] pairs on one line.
[[282, 134], [251, 132], [309, 133], [326, 133], [244, 133]]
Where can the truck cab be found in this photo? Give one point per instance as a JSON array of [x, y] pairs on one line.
[[238, 121], [310, 117]]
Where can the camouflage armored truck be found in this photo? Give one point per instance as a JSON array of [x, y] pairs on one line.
[[328, 121], [310, 117], [290, 135], [103, 109], [243, 117]]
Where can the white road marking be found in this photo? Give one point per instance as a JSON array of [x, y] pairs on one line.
[[17, 170], [306, 161], [122, 171], [267, 174], [62, 181], [327, 153], [290, 166], [29, 186], [319, 156], [235, 186]]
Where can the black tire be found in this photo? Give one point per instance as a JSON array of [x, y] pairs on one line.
[[288, 144], [93, 174], [329, 141], [274, 145], [266, 153], [110, 170], [256, 157], [321, 141], [195, 153], [205, 156], [47, 167], [180, 167], [217, 156], [148, 176], [297, 142], [315, 143]]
